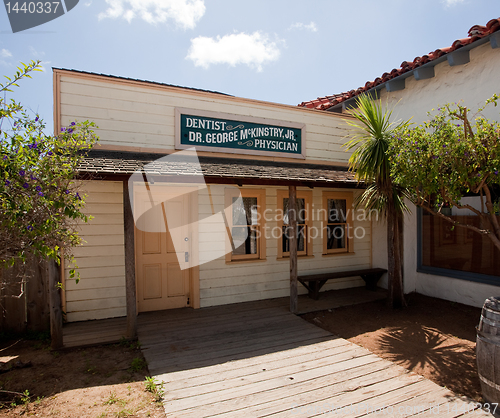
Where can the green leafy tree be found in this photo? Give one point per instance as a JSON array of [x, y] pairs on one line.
[[447, 157], [370, 135], [40, 203]]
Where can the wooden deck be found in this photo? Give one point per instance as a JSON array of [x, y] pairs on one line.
[[257, 359], [89, 333], [106, 331]]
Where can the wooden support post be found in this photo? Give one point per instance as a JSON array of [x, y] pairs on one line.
[[292, 231], [128, 230], [56, 322]]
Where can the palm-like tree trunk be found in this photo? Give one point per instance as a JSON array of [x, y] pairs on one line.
[[370, 160], [396, 297]]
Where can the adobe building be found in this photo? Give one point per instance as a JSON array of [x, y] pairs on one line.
[[452, 264]]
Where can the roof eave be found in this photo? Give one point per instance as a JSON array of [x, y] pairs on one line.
[[493, 38], [239, 181]]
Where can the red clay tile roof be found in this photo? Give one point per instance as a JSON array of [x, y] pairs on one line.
[[475, 33]]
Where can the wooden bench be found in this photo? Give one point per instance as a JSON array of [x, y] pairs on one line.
[[314, 282]]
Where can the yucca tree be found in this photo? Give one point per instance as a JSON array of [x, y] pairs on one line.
[[370, 135]]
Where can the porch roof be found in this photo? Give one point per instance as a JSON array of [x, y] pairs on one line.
[[119, 165]]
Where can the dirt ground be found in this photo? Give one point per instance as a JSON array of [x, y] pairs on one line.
[[97, 382], [431, 337]]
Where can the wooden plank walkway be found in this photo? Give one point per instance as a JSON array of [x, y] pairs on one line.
[[89, 333], [107, 331], [256, 359]]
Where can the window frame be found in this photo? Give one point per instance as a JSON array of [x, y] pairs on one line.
[[260, 194], [307, 196], [348, 197], [445, 272]]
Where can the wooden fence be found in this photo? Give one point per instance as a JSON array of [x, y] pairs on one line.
[[30, 311]]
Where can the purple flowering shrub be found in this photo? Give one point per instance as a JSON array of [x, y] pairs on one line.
[[40, 202], [451, 155]]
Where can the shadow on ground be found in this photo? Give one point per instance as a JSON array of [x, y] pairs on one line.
[[451, 362], [432, 337]]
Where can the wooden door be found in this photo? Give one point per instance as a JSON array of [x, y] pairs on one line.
[[161, 283]]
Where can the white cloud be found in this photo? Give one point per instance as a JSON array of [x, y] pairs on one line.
[[185, 13], [44, 65], [39, 55], [311, 26], [239, 48], [5, 53], [451, 3]]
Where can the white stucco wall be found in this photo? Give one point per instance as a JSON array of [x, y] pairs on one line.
[[472, 83]]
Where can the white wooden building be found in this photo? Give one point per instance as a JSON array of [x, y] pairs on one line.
[[141, 122]]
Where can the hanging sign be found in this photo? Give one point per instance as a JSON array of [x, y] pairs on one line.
[[220, 132]]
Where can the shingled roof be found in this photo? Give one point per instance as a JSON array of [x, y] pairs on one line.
[[101, 164], [475, 35]]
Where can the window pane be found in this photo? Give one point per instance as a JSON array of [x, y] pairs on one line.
[[301, 214], [457, 248], [337, 210], [301, 238], [336, 237], [249, 246], [245, 211]]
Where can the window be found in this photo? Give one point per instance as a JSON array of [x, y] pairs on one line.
[[245, 219], [337, 223], [455, 251], [304, 244]]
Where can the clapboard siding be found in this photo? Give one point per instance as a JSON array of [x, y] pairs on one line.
[[95, 283], [102, 313], [83, 295], [105, 196], [222, 283], [131, 115], [142, 116], [101, 263], [100, 260], [92, 240], [94, 229], [100, 250], [106, 219], [95, 304], [156, 117], [101, 291]]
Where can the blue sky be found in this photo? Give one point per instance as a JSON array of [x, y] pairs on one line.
[[284, 51]]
